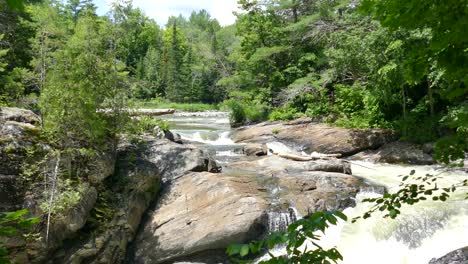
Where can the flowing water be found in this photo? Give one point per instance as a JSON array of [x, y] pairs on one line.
[[423, 231]]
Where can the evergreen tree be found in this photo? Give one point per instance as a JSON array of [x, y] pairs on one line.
[[176, 75], [83, 82]]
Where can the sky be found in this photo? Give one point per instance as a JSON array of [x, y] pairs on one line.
[[161, 10]]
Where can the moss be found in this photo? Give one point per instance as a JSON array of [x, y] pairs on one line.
[[9, 149]]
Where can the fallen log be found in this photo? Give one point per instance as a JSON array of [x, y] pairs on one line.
[[150, 112], [142, 111], [313, 156]]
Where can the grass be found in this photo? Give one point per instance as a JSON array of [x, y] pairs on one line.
[[163, 104]]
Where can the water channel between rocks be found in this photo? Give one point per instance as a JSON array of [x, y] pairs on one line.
[[423, 231]]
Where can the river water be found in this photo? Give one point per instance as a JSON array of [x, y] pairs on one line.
[[423, 231]]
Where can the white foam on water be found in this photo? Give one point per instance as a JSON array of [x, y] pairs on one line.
[[423, 231], [228, 153], [223, 138]]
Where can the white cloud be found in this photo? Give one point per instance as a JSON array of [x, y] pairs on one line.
[[161, 10]]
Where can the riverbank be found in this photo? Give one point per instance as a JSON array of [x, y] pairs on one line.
[[164, 104], [160, 201]]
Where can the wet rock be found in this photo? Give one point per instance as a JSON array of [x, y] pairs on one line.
[[459, 256], [309, 136], [314, 191], [174, 137], [255, 150], [200, 212], [398, 152]]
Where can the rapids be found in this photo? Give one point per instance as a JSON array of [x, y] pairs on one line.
[[423, 231]]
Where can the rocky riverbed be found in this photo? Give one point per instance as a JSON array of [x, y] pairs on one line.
[[184, 198]]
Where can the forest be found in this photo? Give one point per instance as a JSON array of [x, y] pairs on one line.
[[351, 64]]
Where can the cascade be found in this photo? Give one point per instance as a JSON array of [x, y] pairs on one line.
[[423, 231], [280, 220]]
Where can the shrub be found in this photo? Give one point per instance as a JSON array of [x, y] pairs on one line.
[[238, 115], [284, 113], [146, 124], [245, 112]]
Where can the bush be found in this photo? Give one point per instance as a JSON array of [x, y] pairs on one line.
[[284, 113], [242, 113], [238, 115], [146, 124], [10, 224]]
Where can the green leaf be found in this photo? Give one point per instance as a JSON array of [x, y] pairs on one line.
[[244, 251], [341, 215]]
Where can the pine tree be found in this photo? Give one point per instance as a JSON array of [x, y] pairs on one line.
[[175, 49]]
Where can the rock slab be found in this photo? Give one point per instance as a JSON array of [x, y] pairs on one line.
[[309, 137], [199, 212]]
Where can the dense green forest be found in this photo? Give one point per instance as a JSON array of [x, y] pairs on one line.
[[350, 63]]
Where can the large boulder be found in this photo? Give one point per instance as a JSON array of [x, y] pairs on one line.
[[309, 137], [201, 212], [243, 199], [459, 256], [398, 152]]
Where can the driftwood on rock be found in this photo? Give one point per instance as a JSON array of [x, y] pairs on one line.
[[143, 111], [313, 156], [150, 112]]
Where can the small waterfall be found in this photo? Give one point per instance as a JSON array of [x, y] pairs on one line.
[[280, 220], [216, 138]]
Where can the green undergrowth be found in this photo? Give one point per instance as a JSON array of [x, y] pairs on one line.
[[164, 104]]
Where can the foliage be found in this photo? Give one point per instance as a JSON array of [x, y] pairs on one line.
[[10, 224], [68, 194], [299, 236], [165, 104], [412, 190], [73, 96], [245, 112], [146, 124]]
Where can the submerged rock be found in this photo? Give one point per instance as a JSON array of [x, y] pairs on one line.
[[305, 135]]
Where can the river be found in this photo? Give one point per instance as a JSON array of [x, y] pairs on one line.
[[423, 231]]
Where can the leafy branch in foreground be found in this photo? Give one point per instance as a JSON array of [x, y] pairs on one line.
[[10, 224], [421, 189], [298, 236]]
